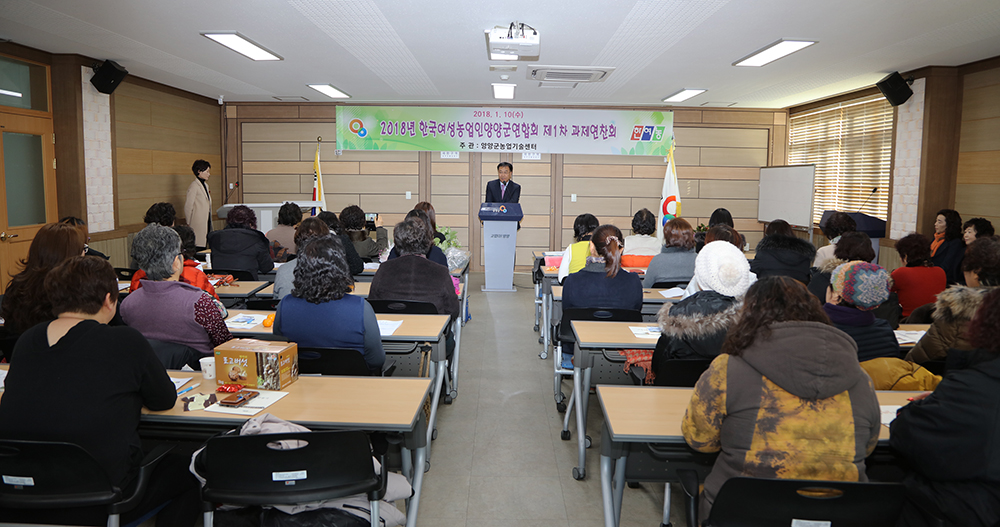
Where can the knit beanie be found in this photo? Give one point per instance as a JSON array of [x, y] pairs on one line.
[[722, 268], [861, 284]]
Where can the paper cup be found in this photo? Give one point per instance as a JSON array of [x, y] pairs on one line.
[[207, 368], [208, 261]]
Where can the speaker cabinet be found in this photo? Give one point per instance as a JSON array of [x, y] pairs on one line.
[[107, 76], [895, 88]]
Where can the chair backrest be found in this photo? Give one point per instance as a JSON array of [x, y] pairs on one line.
[[776, 502], [668, 285], [681, 373], [263, 304], [52, 475], [332, 361], [409, 307], [239, 274], [174, 355], [599, 314], [124, 273], [255, 470]]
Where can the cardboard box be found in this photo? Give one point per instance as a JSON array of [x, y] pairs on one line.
[[260, 364]]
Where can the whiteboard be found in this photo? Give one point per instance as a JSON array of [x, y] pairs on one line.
[[786, 193]]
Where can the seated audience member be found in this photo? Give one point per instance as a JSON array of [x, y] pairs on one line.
[[162, 213], [353, 220], [165, 308], [80, 224], [956, 305], [950, 438], [856, 289], [780, 253], [836, 225], [675, 263], [432, 216], [720, 216], [602, 283], [787, 397], [122, 375], [412, 276], [918, 282], [720, 232], [308, 229], [191, 274], [240, 245], [321, 312], [948, 246], [643, 240], [434, 254], [851, 246], [976, 228], [282, 237], [24, 301], [575, 256], [354, 261], [695, 327]]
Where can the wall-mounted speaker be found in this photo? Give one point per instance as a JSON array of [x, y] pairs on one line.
[[107, 76], [895, 88]]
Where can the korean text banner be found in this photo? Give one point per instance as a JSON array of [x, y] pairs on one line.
[[542, 130]]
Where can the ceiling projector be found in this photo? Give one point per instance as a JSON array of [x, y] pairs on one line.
[[512, 42]]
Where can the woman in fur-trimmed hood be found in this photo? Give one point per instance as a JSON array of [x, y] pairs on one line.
[[956, 305], [696, 327], [780, 253]]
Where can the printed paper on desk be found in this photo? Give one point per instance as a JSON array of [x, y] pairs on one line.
[[673, 292], [3, 375], [278, 264], [244, 321], [178, 382], [254, 407], [372, 266], [388, 327], [908, 337], [889, 413], [645, 332]]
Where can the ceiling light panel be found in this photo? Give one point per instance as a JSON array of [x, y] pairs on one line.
[[684, 95], [503, 91], [241, 45], [329, 90], [773, 52]]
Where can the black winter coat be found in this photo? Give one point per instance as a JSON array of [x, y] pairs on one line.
[[779, 255], [952, 440], [240, 249], [873, 336], [694, 328], [949, 257]]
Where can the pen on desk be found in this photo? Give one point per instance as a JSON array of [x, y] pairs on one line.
[[189, 388]]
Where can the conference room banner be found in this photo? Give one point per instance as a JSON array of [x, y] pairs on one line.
[[541, 130]]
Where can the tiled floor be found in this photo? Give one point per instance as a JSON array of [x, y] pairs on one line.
[[498, 460]]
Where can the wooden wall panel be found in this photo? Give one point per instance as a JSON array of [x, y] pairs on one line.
[[977, 188]]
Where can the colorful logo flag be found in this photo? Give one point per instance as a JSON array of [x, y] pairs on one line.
[[317, 182], [670, 196]]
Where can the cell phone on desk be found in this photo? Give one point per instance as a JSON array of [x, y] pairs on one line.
[[370, 221], [238, 399]]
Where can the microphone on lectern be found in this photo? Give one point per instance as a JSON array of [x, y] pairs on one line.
[[874, 190]]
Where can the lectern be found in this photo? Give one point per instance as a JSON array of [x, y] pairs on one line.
[[499, 241], [870, 225]]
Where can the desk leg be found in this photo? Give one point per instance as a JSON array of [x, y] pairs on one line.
[[545, 326], [580, 471], [465, 295], [440, 369], [417, 483], [619, 487], [607, 491], [454, 362]]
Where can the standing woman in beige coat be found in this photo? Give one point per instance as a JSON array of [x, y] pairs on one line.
[[198, 203]]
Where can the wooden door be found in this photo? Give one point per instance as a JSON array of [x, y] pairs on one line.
[[27, 186]]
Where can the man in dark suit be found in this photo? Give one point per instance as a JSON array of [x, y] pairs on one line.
[[503, 190]]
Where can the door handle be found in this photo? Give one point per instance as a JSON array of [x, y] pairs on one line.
[[4, 236]]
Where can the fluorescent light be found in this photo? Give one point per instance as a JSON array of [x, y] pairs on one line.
[[11, 93], [242, 45], [329, 91], [773, 52], [684, 95], [503, 91], [502, 56]]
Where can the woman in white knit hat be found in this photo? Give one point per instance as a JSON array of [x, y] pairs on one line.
[[695, 327]]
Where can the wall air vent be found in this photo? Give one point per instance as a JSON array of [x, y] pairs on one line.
[[569, 73], [563, 85]]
